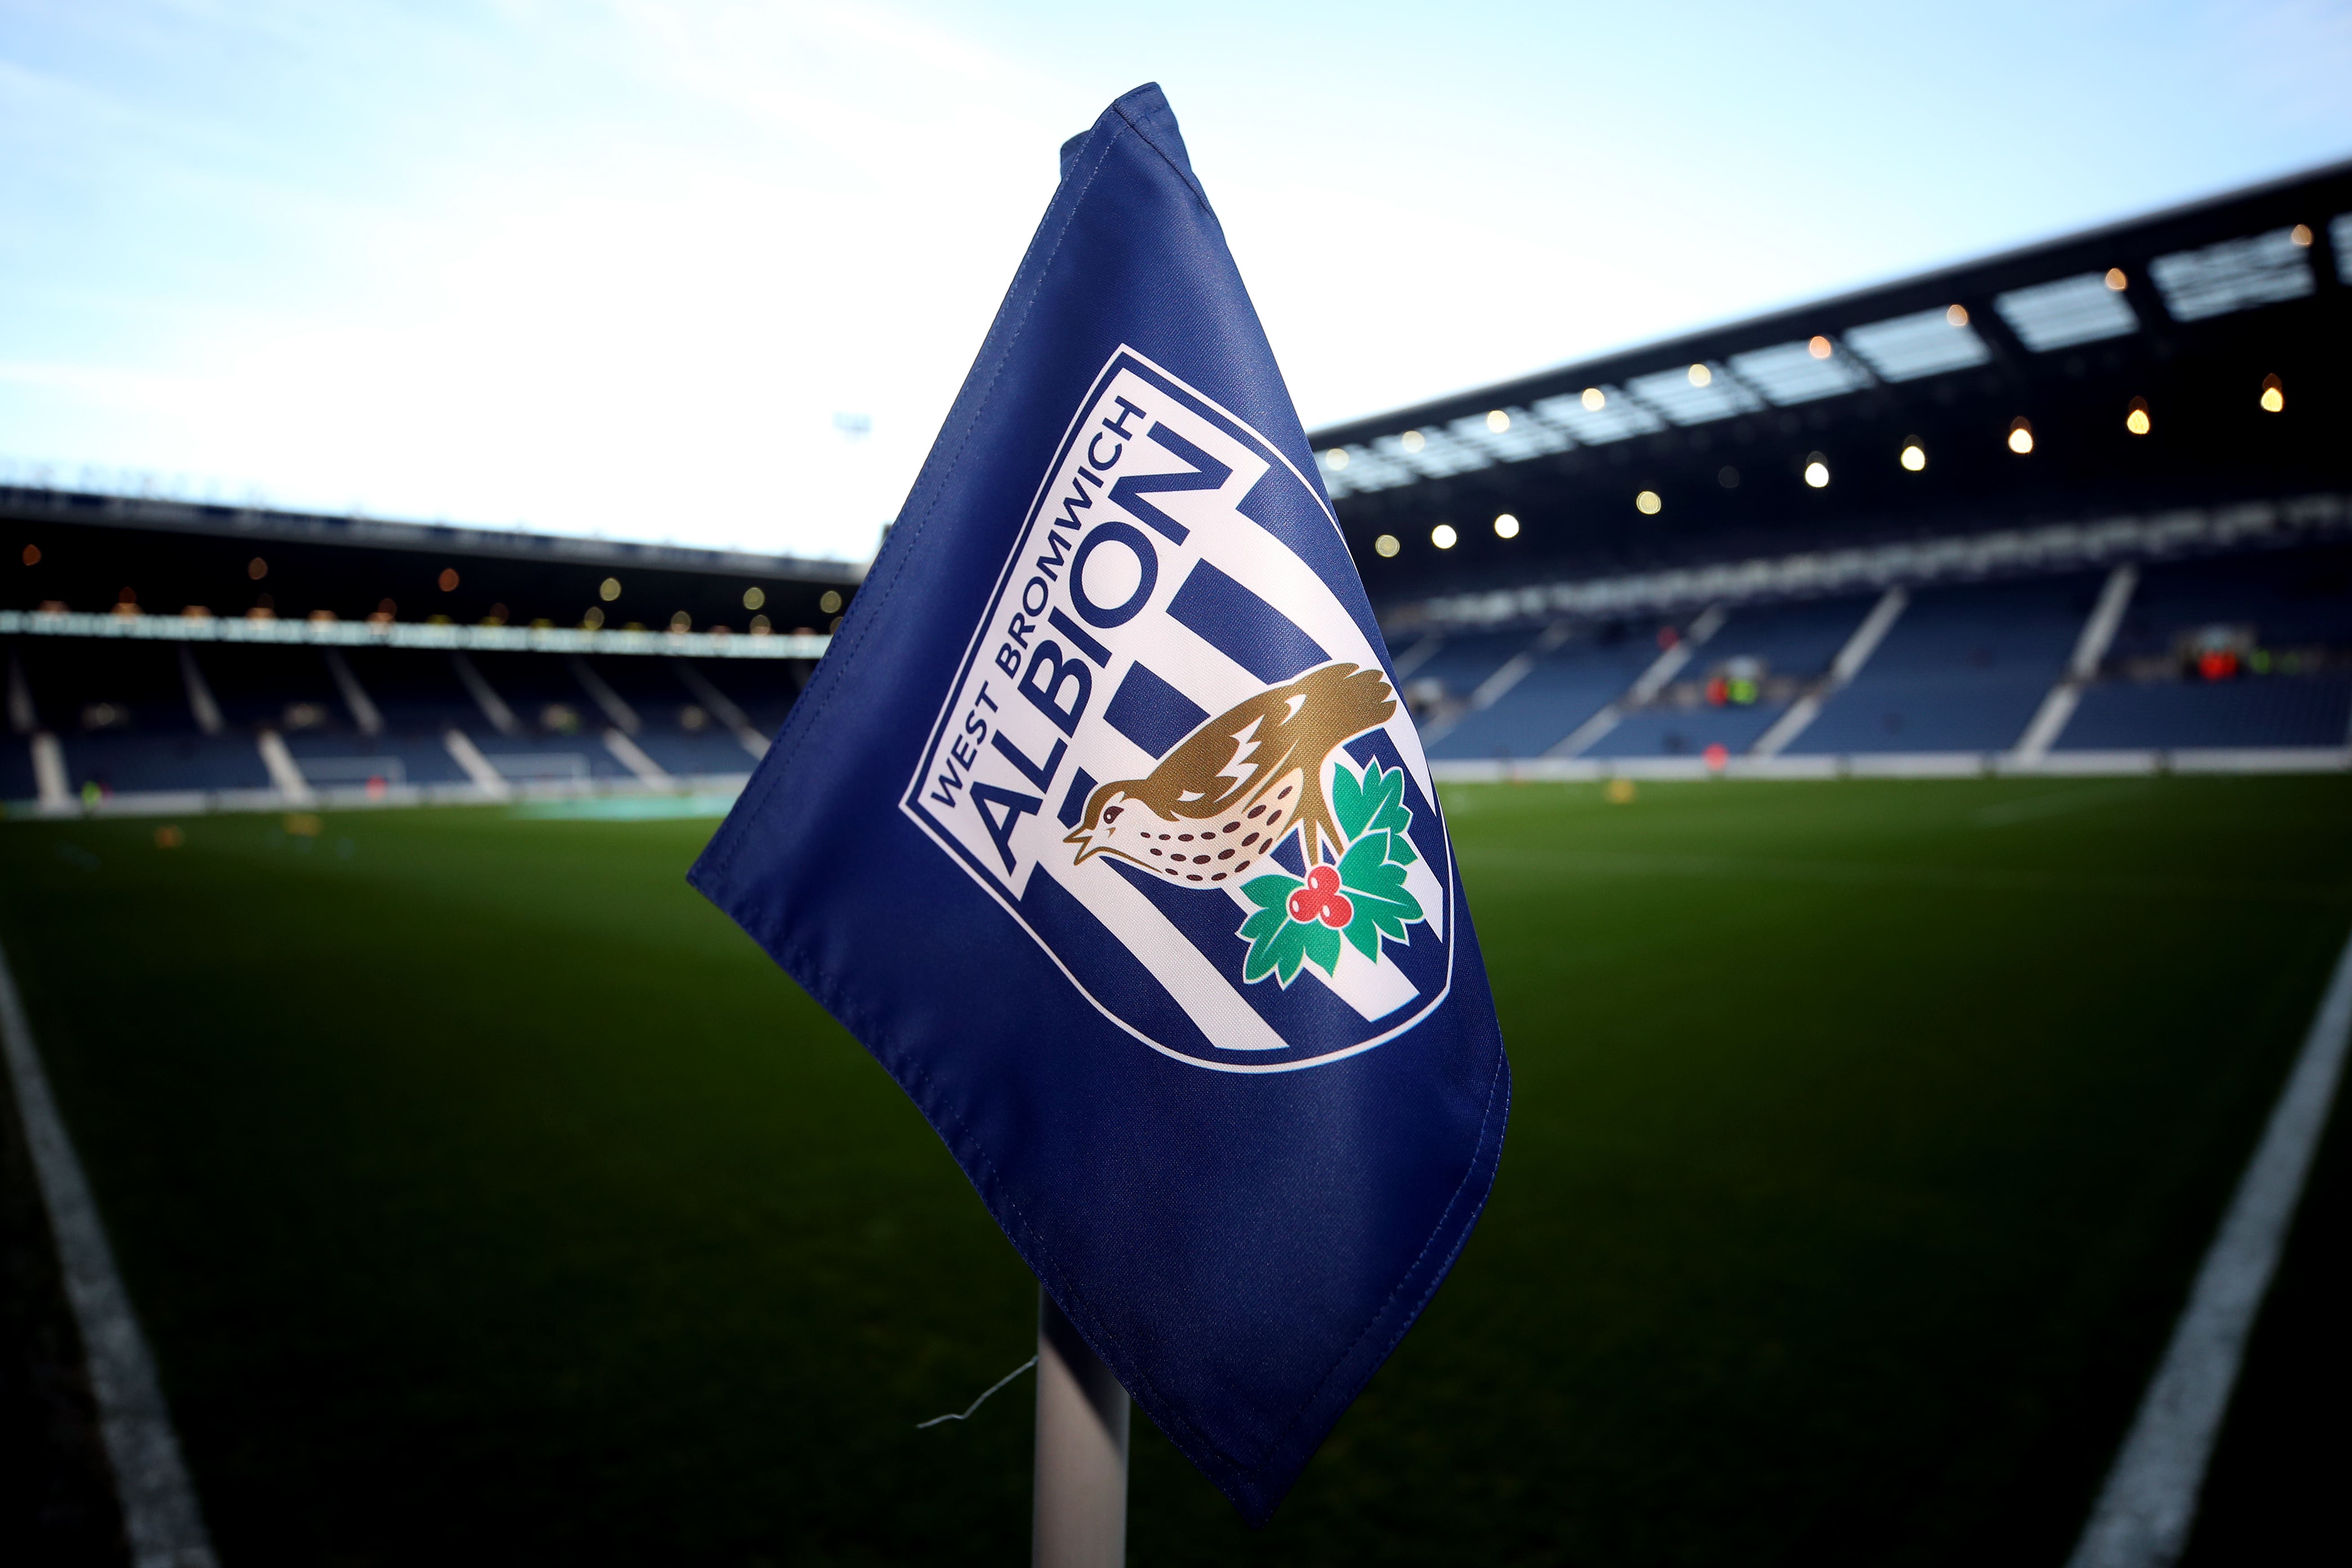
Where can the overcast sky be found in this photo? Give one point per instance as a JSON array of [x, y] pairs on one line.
[[631, 267]]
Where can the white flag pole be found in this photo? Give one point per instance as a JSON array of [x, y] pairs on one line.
[[1080, 1517]]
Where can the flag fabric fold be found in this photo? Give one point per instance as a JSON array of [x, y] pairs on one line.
[[1103, 825]]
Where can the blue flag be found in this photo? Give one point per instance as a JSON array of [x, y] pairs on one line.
[[1103, 827]]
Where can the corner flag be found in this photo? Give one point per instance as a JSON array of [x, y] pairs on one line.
[[1103, 827]]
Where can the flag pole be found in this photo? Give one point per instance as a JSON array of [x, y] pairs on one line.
[[1080, 1515]]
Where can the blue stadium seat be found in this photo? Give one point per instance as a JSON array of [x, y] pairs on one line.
[[1567, 684], [123, 761], [2291, 598], [1687, 732], [1462, 660], [17, 781], [1797, 640], [2179, 715], [1963, 669], [675, 727]]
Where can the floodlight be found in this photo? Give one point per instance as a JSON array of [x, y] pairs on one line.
[[1442, 536]]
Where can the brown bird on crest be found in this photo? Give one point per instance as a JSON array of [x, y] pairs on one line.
[[1227, 795]]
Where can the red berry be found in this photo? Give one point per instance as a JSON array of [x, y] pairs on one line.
[[1338, 911], [1324, 880], [1303, 905]]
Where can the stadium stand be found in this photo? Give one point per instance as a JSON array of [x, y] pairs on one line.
[[127, 691], [1742, 682], [2245, 652], [1963, 670], [1550, 687], [2080, 507]]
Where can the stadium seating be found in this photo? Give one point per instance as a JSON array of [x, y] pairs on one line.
[[125, 722], [2238, 655], [1786, 648], [1565, 684], [1963, 669], [163, 718], [2282, 622]]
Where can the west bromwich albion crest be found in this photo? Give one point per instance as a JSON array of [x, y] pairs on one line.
[[1177, 761]]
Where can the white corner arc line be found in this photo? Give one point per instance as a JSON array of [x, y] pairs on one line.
[[160, 1515], [2149, 1500]]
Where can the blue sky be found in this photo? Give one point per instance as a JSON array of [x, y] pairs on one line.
[[615, 265]]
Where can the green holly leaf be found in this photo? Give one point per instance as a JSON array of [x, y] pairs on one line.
[[1375, 886], [1278, 944], [1390, 814], [1271, 891], [1351, 806]]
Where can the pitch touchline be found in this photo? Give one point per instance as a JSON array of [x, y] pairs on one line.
[[160, 1515], [2149, 1500]]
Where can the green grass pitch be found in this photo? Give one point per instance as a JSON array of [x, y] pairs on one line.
[[486, 1195]]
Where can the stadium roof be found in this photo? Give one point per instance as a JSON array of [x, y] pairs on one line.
[[2141, 363], [29, 504], [68, 556]]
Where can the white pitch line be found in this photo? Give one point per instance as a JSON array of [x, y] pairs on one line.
[[160, 1516], [2144, 1510]]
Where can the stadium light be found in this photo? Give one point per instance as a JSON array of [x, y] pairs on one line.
[[1507, 526], [1442, 536], [2021, 435], [1817, 471], [448, 579], [2274, 394], [829, 601], [609, 589], [1915, 456], [1497, 421], [256, 568], [1386, 546], [1412, 440], [754, 597], [681, 622], [1958, 315], [1337, 458], [1648, 504], [2137, 420], [1595, 399], [2115, 280], [1818, 347], [31, 556], [1700, 375], [2300, 234]]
